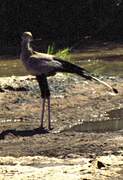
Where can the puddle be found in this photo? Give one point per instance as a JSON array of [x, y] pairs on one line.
[[114, 123], [116, 114]]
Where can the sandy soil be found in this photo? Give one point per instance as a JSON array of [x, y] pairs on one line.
[[27, 153]]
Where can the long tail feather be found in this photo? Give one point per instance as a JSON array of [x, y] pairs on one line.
[[71, 68], [104, 83]]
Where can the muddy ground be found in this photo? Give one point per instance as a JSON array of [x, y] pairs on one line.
[[71, 153]]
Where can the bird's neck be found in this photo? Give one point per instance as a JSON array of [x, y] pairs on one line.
[[26, 50]]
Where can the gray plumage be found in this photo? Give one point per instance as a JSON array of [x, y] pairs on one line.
[[42, 65], [35, 62]]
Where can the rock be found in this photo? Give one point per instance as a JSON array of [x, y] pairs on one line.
[[100, 165]]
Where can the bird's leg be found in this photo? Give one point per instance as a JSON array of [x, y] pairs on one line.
[[42, 112], [49, 120], [45, 94], [41, 82]]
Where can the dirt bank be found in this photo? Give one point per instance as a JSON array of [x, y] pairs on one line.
[[73, 101]]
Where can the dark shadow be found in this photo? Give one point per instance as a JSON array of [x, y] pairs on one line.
[[10, 88], [23, 133]]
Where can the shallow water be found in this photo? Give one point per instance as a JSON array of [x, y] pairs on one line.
[[12, 67], [114, 122], [103, 68], [15, 67]]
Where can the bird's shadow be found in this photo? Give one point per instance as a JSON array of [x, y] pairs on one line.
[[23, 133]]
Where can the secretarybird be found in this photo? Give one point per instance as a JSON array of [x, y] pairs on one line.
[[43, 65]]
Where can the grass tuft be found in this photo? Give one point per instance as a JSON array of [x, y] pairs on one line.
[[63, 54]]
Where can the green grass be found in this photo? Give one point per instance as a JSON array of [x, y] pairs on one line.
[[51, 49], [63, 54]]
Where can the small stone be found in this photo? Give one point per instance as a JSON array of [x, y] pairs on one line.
[[100, 164]]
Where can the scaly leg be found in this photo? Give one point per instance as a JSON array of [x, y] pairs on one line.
[[42, 112], [49, 120]]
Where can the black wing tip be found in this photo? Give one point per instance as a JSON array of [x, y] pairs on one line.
[[115, 90]]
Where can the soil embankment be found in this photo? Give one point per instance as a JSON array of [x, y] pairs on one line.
[[27, 153]]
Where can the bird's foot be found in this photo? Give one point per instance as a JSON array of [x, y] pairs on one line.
[[45, 129], [50, 128], [41, 127]]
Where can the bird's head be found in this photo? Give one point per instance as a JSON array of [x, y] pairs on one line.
[[27, 36]]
